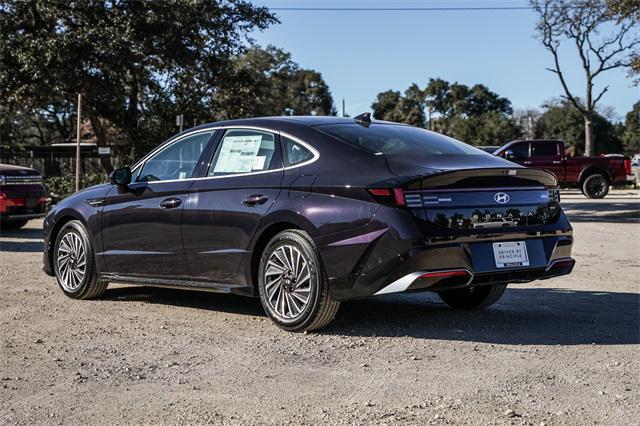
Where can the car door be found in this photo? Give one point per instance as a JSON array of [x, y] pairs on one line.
[[546, 155], [224, 208], [141, 225]]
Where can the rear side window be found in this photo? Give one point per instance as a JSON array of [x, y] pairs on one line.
[[544, 149], [294, 153], [244, 151], [392, 139]]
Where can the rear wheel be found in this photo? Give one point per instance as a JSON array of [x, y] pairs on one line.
[[12, 224], [293, 286], [473, 297], [595, 186], [74, 263]]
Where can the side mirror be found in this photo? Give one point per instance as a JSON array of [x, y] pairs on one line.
[[121, 176], [508, 154]]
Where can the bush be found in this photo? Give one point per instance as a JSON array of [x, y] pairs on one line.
[[62, 186]]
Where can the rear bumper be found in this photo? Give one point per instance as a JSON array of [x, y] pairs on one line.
[[387, 267], [23, 216], [461, 278]]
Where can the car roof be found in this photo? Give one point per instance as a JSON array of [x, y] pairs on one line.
[[296, 120]]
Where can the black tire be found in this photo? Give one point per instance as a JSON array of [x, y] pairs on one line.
[[473, 297], [595, 186], [319, 309], [89, 286], [10, 225]]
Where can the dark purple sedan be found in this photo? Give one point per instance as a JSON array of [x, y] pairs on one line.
[[306, 212]]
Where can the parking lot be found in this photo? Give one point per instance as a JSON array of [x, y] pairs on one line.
[[562, 351]]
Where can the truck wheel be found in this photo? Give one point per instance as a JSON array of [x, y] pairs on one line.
[[473, 297], [595, 186], [12, 224]]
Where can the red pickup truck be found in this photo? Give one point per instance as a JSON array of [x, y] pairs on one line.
[[22, 196], [593, 175]]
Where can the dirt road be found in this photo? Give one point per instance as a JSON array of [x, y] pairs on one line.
[[563, 351]]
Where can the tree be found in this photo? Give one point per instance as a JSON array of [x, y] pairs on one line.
[[627, 9], [268, 82], [138, 63], [602, 43], [561, 120], [472, 114], [631, 135]]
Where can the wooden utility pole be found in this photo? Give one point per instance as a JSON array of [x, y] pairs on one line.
[[78, 142]]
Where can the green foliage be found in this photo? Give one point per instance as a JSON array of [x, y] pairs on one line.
[[138, 63], [561, 120], [268, 82], [472, 114], [631, 135], [62, 186]]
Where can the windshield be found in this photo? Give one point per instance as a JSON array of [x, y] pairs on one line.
[[391, 139]]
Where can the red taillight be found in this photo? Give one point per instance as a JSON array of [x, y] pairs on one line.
[[3, 196], [393, 196], [627, 166], [380, 192], [444, 274]]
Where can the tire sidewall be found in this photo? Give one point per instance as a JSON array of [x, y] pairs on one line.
[[585, 190], [296, 239], [76, 227]]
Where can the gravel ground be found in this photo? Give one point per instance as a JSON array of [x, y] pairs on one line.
[[563, 351]]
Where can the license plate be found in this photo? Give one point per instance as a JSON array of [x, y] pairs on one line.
[[31, 203], [510, 254]]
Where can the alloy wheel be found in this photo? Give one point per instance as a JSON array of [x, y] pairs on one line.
[[71, 261], [288, 278], [596, 186]]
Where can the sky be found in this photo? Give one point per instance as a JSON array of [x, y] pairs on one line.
[[362, 53]]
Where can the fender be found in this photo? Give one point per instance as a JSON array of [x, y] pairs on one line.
[[594, 169]]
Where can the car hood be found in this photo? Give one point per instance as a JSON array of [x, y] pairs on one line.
[[402, 165], [11, 170]]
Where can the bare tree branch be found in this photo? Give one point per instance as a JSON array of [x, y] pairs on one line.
[[595, 101], [602, 41]]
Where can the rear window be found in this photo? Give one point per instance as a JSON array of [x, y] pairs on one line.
[[390, 139]]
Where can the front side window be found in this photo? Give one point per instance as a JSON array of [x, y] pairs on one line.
[[244, 151], [518, 151], [391, 139], [294, 153], [176, 162]]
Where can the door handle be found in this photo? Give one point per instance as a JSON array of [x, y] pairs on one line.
[[170, 203], [254, 200], [527, 162], [556, 162]]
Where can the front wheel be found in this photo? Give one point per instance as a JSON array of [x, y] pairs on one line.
[[473, 297], [294, 290], [74, 263], [595, 186]]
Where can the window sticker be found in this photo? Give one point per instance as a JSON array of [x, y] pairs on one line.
[[258, 163], [238, 154]]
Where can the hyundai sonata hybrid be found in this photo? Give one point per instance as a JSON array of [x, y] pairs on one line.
[[307, 212]]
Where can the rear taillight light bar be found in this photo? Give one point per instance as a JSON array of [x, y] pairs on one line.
[[627, 166], [554, 195]]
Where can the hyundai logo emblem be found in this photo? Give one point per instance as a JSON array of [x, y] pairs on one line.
[[501, 198]]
